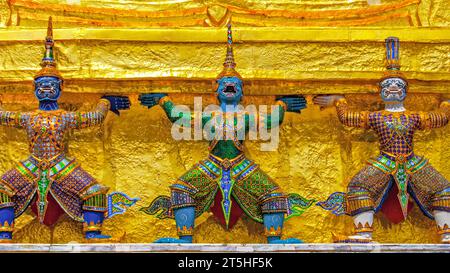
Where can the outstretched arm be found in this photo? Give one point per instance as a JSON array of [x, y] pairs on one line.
[[169, 107], [13, 119], [294, 103], [80, 120], [436, 119], [346, 117], [275, 118]]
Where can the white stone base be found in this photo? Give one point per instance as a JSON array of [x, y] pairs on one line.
[[242, 248]]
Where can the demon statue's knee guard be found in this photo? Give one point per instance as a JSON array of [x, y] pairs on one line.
[[396, 179], [49, 181], [227, 183]]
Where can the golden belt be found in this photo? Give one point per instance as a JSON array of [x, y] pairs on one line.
[[225, 162], [45, 164], [400, 158]]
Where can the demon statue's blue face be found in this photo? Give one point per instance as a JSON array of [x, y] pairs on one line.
[[47, 88], [229, 90], [393, 90]]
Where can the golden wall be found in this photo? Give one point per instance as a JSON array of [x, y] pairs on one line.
[[281, 47]]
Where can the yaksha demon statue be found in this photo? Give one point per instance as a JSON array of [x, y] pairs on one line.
[[227, 183], [49, 181], [390, 181]]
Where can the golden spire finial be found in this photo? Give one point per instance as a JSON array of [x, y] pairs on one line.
[[229, 58], [48, 62], [50, 28], [229, 63]]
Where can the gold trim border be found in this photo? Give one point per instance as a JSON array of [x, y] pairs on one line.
[[240, 34]]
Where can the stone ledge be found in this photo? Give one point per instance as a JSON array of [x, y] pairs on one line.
[[242, 248]]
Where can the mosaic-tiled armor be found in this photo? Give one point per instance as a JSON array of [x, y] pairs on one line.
[[49, 181], [227, 182], [396, 178]]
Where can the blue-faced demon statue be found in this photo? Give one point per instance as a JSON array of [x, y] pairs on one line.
[[48, 181]]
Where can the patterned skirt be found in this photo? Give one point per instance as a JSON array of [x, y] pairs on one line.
[[238, 180], [415, 179], [68, 184]]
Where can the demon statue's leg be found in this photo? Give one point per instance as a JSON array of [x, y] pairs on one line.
[[365, 192], [6, 223], [183, 206], [93, 229], [274, 207], [443, 222], [441, 213], [15, 193], [94, 215], [363, 226], [273, 226], [184, 218], [432, 192]]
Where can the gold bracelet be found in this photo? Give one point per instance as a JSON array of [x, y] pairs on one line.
[[443, 229], [163, 100], [185, 231], [6, 227], [340, 101], [282, 104], [272, 231], [91, 227], [107, 102], [363, 228]]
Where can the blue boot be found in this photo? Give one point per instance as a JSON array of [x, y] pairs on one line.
[[6, 224], [92, 225], [273, 226], [184, 218]]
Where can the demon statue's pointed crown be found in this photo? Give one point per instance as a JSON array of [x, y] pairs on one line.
[[229, 81], [393, 59], [393, 86], [48, 62], [229, 64]]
